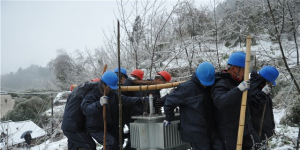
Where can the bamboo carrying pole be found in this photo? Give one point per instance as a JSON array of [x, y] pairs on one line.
[[150, 87], [244, 97], [104, 113], [146, 82]]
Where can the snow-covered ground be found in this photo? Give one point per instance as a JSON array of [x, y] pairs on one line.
[[285, 133], [58, 145], [277, 143]]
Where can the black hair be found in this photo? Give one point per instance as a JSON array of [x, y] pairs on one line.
[[160, 77], [100, 86], [122, 75]]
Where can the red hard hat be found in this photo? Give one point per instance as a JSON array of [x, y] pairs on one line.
[[139, 73], [95, 80], [166, 75], [72, 87]]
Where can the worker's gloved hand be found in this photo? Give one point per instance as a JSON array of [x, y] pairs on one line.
[[245, 85], [267, 89], [103, 100], [166, 123]]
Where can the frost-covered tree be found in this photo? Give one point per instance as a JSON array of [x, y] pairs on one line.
[[142, 34], [68, 71], [293, 17], [136, 38]]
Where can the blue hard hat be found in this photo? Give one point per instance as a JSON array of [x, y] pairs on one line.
[[205, 72], [123, 71], [237, 59], [269, 73], [111, 79]]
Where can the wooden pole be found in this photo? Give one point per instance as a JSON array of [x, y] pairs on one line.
[[119, 92], [7, 134], [244, 97], [298, 140], [262, 120], [150, 87], [104, 120], [52, 118], [104, 69], [104, 113]]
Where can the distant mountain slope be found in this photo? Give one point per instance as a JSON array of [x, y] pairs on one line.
[[33, 77]]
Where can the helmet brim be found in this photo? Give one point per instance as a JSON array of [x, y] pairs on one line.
[[113, 87], [274, 83], [208, 83]]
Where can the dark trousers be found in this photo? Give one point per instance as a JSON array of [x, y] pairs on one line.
[[112, 140], [200, 146], [28, 143], [248, 142], [79, 140], [217, 144]]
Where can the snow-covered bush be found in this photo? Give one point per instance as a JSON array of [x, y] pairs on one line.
[[293, 115], [28, 109]]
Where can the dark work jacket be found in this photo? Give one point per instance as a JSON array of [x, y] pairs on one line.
[[227, 98], [256, 104], [196, 111], [135, 110], [74, 119], [27, 138], [93, 110]]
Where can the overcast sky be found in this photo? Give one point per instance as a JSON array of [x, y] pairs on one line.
[[32, 31]]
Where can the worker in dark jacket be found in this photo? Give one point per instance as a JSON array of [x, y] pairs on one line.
[[164, 77], [227, 95], [161, 77], [28, 139], [196, 109], [123, 74], [73, 123], [136, 74], [125, 110], [92, 107], [260, 101]]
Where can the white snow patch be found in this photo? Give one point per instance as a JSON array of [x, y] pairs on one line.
[[58, 145], [285, 133], [56, 109], [61, 97]]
